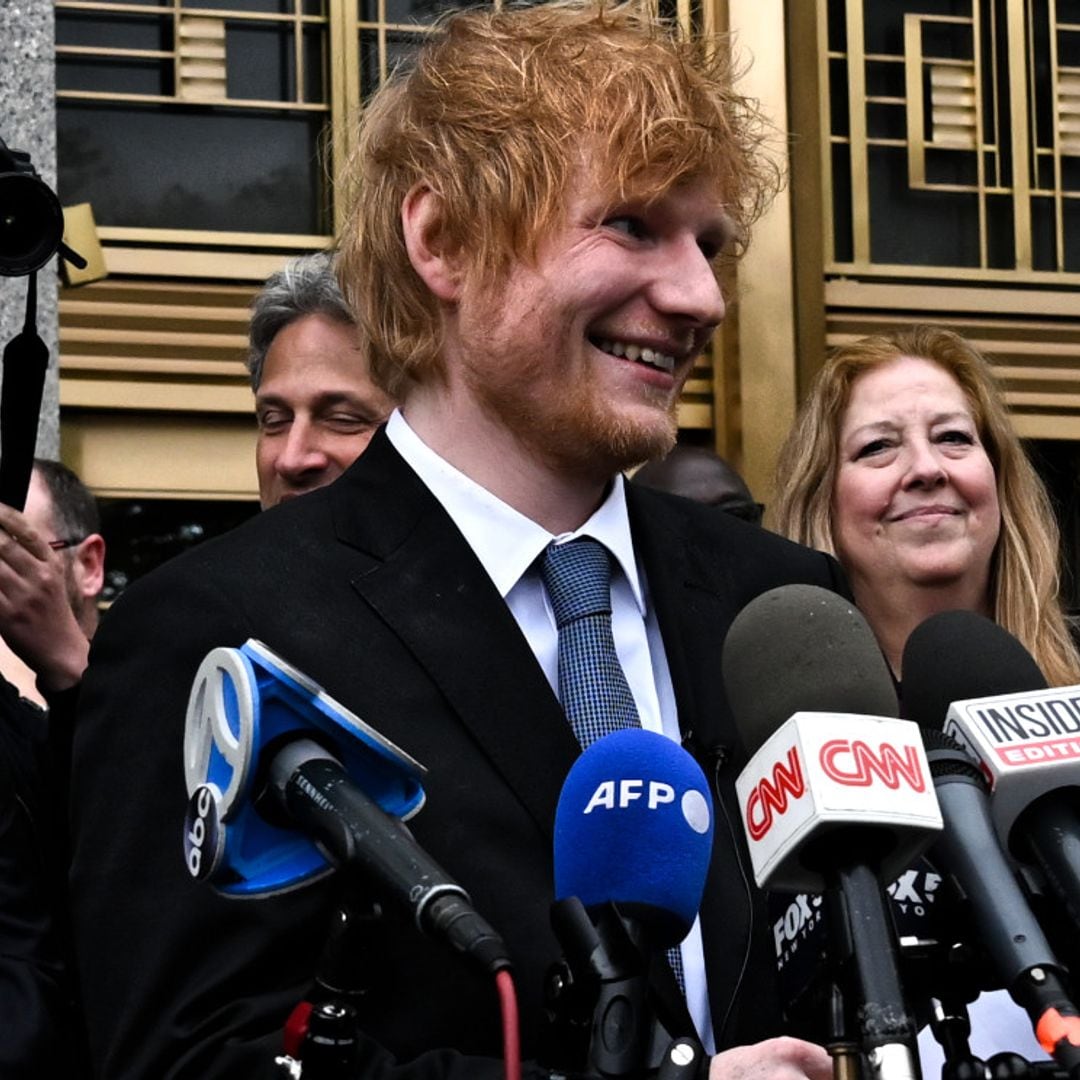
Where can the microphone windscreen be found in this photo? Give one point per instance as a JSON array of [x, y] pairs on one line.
[[801, 648], [634, 826], [956, 655]]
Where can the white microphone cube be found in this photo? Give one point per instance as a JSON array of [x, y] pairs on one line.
[[1027, 744], [822, 772]]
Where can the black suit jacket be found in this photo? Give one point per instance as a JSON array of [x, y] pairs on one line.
[[42, 1033], [369, 588]]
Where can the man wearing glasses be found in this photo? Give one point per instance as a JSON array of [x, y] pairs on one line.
[[52, 568], [52, 561]]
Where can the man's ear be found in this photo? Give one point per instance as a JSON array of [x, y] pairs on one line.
[[421, 222], [90, 565]]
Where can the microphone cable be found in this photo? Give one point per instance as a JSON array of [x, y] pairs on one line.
[[511, 1030]]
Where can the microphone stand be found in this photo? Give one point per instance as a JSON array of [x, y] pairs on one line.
[[951, 1025], [322, 1035], [600, 1020], [859, 918]]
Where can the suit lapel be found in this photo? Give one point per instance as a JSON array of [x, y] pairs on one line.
[[694, 605], [696, 599], [427, 585]]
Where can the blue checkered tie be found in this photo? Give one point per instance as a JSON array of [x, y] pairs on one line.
[[592, 685]]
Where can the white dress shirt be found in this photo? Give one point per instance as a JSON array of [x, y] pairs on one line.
[[508, 544]]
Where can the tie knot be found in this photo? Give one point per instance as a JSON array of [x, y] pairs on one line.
[[577, 576]]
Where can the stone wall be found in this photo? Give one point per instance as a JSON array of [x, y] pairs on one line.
[[28, 122]]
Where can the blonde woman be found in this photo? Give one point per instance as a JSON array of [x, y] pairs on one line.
[[903, 463]]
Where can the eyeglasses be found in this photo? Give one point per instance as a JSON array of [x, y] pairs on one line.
[[73, 541]]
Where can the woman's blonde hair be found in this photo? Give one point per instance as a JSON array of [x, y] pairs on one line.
[[495, 116], [1024, 579]]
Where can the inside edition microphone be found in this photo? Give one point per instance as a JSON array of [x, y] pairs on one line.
[[633, 839], [836, 797], [976, 680]]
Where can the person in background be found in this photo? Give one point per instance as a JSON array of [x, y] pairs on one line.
[[51, 572], [704, 476], [52, 568], [546, 194], [315, 402], [903, 463]]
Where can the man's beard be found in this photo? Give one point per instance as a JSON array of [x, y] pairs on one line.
[[575, 431]]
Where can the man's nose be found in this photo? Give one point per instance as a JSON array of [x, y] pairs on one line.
[[301, 451], [686, 286]]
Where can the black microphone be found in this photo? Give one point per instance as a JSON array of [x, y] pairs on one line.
[[969, 849], [832, 797], [1025, 737], [315, 791]]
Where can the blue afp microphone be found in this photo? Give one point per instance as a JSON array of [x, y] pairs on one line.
[[634, 827], [633, 837]]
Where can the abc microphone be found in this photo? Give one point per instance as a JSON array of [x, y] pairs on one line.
[[633, 839], [284, 783], [836, 797]]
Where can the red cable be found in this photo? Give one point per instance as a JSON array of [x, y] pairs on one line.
[[504, 984]]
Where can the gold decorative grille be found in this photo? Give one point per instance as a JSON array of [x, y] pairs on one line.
[[952, 138]]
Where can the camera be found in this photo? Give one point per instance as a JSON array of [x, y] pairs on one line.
[[31, 219]]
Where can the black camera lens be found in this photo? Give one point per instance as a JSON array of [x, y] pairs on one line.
[[31, 224]]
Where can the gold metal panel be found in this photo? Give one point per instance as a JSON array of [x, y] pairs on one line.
[[139, 345], [165, 263], [860, 189], [885, 296], [80, 234], [185, 457], [145, 396], [200, 50], [953, 115], [986, 86], [1068, 113]]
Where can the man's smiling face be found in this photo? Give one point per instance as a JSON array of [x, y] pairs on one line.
[[582, 352], [316, 408]]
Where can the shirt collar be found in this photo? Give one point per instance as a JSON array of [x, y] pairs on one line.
[[506, 542]]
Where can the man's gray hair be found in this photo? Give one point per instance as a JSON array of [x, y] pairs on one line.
[[306, 285]]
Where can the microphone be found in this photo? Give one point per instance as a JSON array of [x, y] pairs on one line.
[[835, 797], [266, 750], [634, 827], [970, 849], [814, 703], [993, 699], [632, 842]]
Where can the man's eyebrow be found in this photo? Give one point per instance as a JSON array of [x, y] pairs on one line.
[[320, 400]]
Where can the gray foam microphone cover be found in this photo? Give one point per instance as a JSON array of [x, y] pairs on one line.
[[801, 648]]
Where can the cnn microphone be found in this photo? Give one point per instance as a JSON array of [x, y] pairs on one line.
[[285, 783], [836, 797], [632, 843]]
